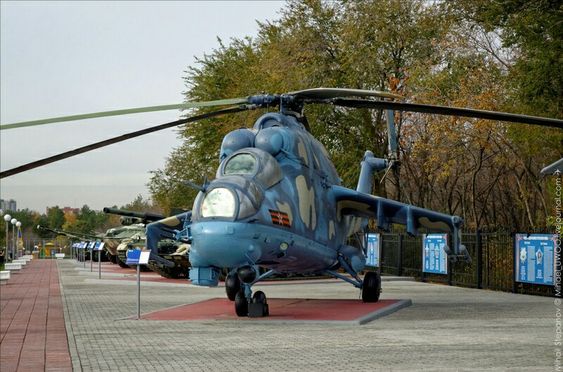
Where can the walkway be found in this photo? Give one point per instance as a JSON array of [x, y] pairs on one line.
[[32, 327]]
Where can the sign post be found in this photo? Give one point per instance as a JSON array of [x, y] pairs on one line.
[[138, 258], [91, 247], [84, 253], [98, 247], [434, 257], [534, 257]]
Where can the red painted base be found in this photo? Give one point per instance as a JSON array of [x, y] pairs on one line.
[[286, 309]]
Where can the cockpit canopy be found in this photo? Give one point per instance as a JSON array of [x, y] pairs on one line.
[[252, 162], [238, 189]]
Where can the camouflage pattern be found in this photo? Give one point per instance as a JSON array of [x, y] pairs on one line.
[[286, 210]]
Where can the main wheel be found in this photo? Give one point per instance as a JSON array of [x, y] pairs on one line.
[[372, 287], [241, 304], [232, 286]]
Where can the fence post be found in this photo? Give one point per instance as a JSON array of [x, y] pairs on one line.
[[400, 257], [479, 260]]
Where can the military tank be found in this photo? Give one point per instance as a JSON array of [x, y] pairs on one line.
[[78, 236], [169, 252], [135, 241], [131, 234]]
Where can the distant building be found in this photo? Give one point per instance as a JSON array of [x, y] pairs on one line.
[[71, 210], [65, 210], [8, 205]]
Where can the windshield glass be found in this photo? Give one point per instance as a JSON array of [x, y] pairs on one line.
[[241, 164]]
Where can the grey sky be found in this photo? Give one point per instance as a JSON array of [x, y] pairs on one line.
[[62, 58]]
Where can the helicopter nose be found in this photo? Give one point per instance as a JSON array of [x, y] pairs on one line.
[[223, 244]]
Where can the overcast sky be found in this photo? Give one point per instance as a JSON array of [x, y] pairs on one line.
[[62, 58]]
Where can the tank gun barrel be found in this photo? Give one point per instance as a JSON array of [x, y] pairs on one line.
[[70, 234], [144, 217]]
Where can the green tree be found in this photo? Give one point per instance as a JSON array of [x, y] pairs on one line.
[[55, 217], [481, 54]]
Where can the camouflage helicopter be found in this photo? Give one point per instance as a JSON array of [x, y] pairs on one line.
[[277, 202]]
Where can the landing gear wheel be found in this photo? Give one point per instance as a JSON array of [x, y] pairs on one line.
[[241, 304], [372, 287], [232, 286], [259, 298]]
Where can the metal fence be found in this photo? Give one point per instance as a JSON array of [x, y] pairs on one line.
[[492, 265]]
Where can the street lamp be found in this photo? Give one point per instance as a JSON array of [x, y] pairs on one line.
[[16, 252], [13, 221], [7, 219]]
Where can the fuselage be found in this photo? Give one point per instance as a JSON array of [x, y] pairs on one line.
[[270, 203]]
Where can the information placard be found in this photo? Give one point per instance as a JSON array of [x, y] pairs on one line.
[[137, 257], [373, 249], [534, 255], [434, 257], [99, 246]]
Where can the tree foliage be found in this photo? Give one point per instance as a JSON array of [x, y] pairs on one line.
[[480, 54]]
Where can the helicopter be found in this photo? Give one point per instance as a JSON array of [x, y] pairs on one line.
[[277, 204]]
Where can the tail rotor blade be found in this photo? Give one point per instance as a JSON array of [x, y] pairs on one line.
[[137, 110], [124, 137]]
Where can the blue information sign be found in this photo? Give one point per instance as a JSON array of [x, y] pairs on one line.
[[535, 258], [373, 249], [137, 257], [133, 256], [99, 246], [434, 257]]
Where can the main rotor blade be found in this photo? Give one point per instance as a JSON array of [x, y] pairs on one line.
[[450, 111], [326, 93], [222, 102], [124, 137]]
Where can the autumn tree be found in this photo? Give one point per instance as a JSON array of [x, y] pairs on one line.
[[468, 54]]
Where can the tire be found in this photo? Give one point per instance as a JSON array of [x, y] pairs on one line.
[[371, 287], [260, 297], [232, 286], [241, 304]]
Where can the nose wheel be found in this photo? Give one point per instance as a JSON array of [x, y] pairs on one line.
[[232, 286], [258, 307], [238, 286], [241, 304]]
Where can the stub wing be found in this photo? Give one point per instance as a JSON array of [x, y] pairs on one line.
[[387, 212]]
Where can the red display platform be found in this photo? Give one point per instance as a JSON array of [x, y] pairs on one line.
[[285, 309]]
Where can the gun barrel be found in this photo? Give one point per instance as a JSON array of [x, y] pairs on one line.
[[70, 234], [146, 217]]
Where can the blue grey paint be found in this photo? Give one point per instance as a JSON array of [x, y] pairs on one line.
[[294, 181]]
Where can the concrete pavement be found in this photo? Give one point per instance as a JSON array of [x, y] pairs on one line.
[[446, 328]]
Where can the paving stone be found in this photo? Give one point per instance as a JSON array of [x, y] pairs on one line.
[[446, 328]]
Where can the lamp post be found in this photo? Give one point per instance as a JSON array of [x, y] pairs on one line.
[[17, 251], [7, 219], [13, 221]]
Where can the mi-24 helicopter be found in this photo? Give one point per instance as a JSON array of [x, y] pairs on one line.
[[277, 202]]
